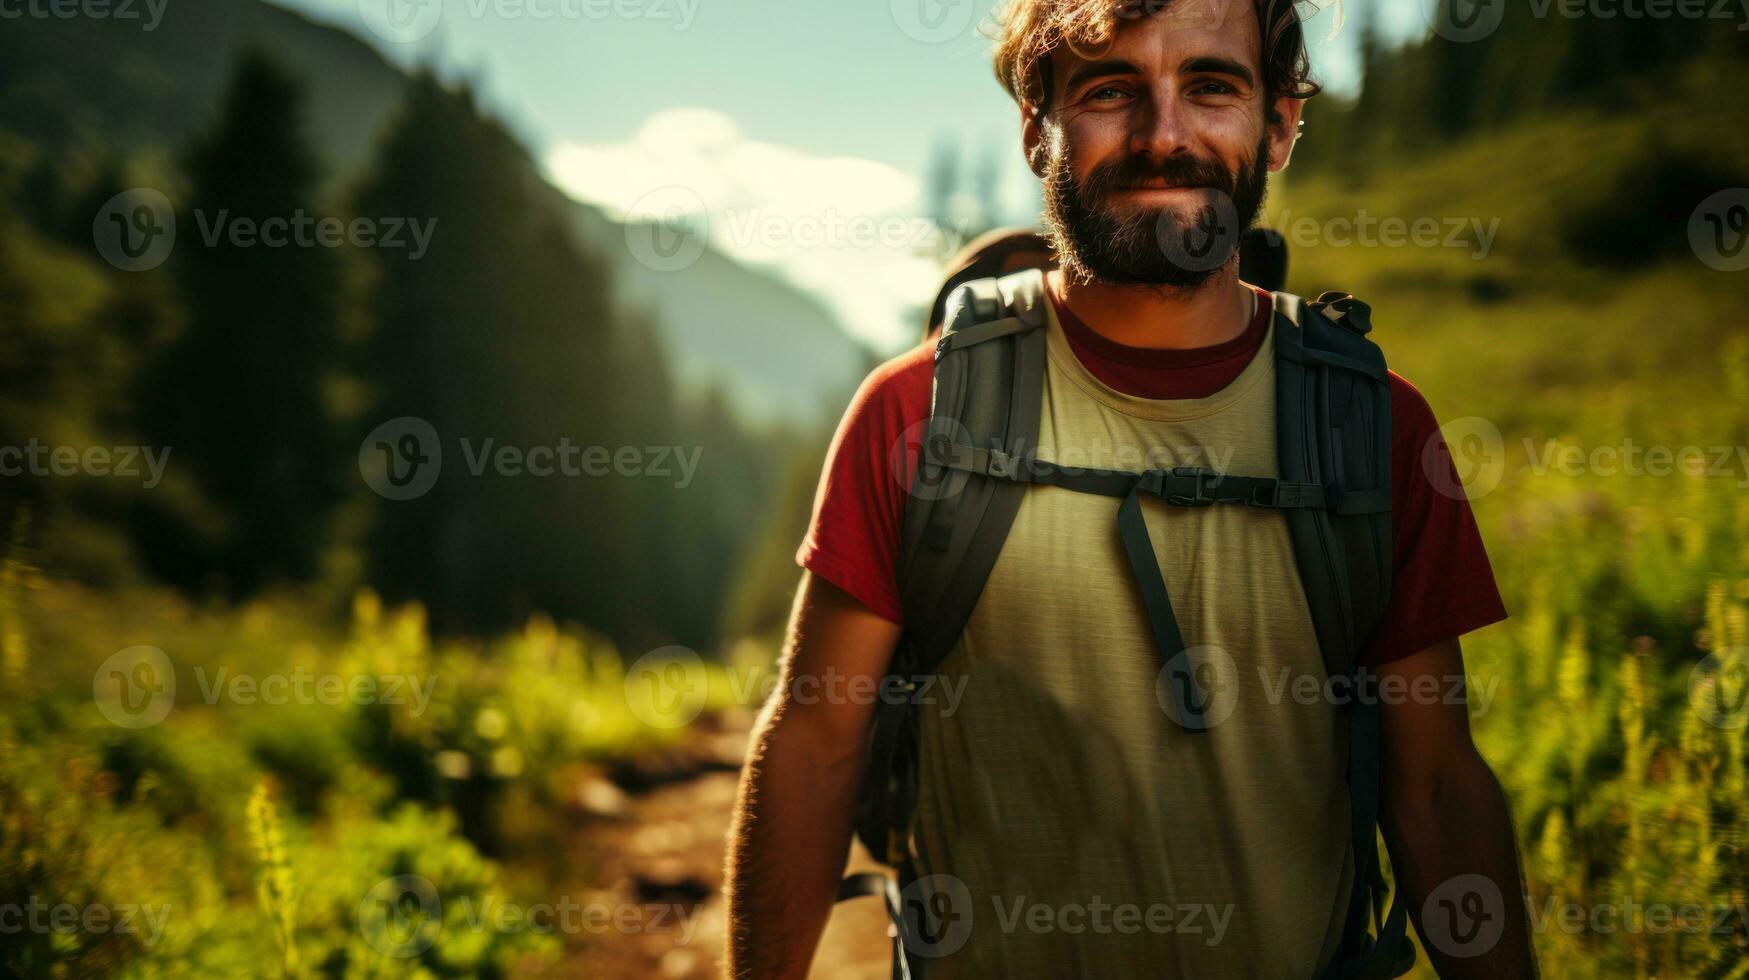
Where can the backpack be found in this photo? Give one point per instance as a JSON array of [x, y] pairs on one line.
[[1333, 433]]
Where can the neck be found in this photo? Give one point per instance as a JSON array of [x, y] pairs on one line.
[[1162, 318]]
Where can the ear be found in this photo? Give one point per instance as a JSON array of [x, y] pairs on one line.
[[1282, 136], [1032, 138]]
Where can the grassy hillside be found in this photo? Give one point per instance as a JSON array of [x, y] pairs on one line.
[[1588, 323]]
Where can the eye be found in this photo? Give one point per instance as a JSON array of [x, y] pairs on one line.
[[1213, 88], [1106, 93]]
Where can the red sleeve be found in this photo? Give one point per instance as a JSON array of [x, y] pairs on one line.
[[853, 539], [1443, 586]]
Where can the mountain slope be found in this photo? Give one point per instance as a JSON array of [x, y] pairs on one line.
[[107, 87]]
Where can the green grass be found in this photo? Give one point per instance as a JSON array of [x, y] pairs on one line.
[[1618, 585], [261, 833]]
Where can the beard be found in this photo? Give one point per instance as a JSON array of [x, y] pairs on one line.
[[1172, 246]]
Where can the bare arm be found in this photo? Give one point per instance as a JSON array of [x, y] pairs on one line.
[[793, 820], [1446, 823]]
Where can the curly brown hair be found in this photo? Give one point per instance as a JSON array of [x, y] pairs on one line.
[[1028, 31]]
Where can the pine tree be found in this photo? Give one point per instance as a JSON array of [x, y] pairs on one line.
[[238, 395], [503, 331]]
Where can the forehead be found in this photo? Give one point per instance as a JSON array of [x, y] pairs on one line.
[[1167, 35]]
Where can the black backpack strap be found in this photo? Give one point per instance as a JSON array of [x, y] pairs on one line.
[[1333, 411], [989, 386], [988, 391]]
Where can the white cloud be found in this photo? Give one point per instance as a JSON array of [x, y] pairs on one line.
[[844, 228]]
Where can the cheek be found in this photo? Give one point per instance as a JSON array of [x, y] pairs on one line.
[[1231, 128], [1093, 138], [1232, 137]]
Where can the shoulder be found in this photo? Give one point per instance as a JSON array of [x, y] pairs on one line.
[[895, 392], [1411, 416]]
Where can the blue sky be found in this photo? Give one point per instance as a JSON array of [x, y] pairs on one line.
[[789, 121]]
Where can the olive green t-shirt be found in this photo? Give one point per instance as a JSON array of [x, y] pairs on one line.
[[1067, 826]]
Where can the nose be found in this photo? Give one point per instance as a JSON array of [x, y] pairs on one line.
[[1158, 129]]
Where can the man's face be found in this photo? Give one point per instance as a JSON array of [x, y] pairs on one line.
[[1156, 154]]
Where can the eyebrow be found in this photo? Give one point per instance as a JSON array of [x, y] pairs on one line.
[[1204, 64], [1217, 65], [1100, 69]]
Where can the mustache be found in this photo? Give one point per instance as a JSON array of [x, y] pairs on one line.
[[1136, 171]]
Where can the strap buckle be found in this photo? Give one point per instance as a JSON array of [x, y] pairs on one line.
[[938, 449], [1187, 486], [1002, 466]]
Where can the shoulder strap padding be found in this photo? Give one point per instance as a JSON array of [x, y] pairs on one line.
[[986, 393], [1334, 426], [1333, 417]]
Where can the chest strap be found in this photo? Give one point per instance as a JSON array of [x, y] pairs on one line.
[[1181, 486]]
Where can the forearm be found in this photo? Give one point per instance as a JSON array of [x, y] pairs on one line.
[[1460, 828], [788, 844]]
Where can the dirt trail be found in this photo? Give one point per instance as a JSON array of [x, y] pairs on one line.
[[654, 840]]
